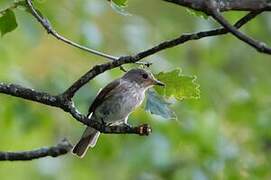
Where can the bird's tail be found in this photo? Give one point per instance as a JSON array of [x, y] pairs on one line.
[[89, 138]]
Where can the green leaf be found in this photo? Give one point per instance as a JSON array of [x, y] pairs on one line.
[[155, 104], [120, 3], [178, 86], [7, 22]]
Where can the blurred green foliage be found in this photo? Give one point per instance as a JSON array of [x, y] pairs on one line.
[[226, 134]]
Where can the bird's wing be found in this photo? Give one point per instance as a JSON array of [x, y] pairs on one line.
[[103, 94]]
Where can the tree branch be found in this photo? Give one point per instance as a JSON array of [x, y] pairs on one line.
[[29, 94], [69, 93], [46, 24], [48, 27], [194, 36], [64, 100], [68, 106], [61, 148], [226, 5], [255, 6], [259, 46]]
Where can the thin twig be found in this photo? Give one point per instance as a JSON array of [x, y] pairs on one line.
[[259, 46], [69, 93], [194, 36], [48, 27], [226, 5], [46, 24]]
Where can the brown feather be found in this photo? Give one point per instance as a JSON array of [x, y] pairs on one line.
[[102, 95], [88, 139], [81, 147]]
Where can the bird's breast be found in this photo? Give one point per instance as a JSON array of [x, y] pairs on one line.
[[121, 104]]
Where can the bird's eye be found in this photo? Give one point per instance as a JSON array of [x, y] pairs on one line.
[[145, 76]]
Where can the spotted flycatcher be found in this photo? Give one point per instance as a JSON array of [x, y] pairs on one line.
[[114, 103]]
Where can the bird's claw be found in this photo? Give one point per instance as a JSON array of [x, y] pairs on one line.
[[144, 130]]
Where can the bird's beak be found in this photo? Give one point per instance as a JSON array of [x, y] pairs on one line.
[[159, 83]]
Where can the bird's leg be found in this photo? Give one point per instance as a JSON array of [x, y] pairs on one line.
[[142, 130]]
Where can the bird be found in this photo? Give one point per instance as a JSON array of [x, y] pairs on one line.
[[114, 103]]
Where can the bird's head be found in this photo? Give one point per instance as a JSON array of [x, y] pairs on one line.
[[143, 78]]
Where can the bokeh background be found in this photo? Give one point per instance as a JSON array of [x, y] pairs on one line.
[[226, 134]]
